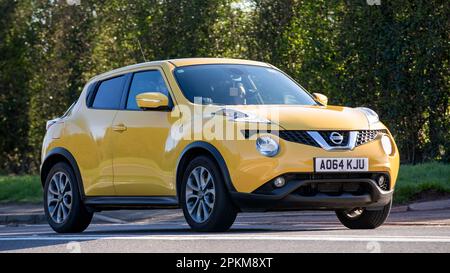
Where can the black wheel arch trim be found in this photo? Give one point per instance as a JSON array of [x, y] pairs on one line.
[[216, 155], [59, 151]]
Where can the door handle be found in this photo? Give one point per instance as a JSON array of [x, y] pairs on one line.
[[119, 127]]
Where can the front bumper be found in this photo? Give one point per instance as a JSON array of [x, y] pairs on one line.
[[290, 197], [249, 170]]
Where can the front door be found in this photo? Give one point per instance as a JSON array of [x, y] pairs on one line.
[[140, 142]]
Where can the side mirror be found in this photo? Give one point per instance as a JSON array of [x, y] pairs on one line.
[[152, 100], [322, 99]]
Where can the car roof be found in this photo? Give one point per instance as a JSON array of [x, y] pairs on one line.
[[177, 63], [197, 61]]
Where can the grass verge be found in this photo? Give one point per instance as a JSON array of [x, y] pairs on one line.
[[20, 189], [422, 181]]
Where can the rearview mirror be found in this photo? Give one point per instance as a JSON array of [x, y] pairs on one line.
[[152, 100], [322, 99]]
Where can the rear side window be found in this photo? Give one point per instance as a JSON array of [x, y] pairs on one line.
[[145, 82], [109, 94]]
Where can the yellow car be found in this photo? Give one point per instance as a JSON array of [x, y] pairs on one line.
[[214, 137]]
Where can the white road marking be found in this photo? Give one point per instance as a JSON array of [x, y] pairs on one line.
[[337, 238]]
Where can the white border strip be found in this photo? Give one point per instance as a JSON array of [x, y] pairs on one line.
[[405, 239]]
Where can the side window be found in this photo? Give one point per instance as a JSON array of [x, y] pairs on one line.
[[144, 82], [109, 94]]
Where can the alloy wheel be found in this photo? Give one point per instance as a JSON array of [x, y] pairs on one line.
[[200, 194], [59, 197]]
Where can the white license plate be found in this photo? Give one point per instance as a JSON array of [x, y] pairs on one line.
[[341, 164]]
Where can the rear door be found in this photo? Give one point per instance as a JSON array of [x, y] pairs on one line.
[[95, 149]]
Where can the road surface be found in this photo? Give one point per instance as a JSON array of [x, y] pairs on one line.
[[166, 231]]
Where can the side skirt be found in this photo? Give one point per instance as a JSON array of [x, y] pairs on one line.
[[130, 202]]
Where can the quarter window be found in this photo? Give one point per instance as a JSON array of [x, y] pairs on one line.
[[145, 82], [109, 94]]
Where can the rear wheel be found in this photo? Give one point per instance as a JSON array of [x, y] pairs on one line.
[[204, 198], [64, 209], [361, 218]]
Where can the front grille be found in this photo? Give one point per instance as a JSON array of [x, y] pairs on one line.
[[298, 137], [332, 186], [321, 176], [367, 136], [302, 137], [334, 189], [327, 134]]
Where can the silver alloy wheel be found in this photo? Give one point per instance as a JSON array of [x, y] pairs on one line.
[[200, 194], [354, 213], [59, 197]]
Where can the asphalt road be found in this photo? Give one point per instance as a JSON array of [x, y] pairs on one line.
[[166, 231]]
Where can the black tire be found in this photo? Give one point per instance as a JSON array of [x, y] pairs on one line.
[[223, 213], [78, 218], [368, 219]]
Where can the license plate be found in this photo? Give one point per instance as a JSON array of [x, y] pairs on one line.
[[341, 164]]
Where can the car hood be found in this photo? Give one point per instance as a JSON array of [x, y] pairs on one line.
[[294, 117]]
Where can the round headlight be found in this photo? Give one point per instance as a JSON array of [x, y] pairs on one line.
[[267, 146], [387, 145]]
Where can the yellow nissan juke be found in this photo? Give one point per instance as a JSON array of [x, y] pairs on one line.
[[214, 137]]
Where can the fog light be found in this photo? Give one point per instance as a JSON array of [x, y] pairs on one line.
[[279, 182], [382, 183]]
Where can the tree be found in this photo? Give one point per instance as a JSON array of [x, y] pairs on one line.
[[14, 75], [394, 58], [61, 55]]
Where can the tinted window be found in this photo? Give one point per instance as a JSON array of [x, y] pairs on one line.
[[239, 85], [109, 94], [145, 82]]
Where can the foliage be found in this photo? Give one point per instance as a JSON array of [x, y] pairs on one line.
[[23, 189], [14, 76], [395, 60], [428, 178], [392, 57]]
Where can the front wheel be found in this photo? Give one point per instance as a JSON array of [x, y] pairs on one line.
[[204, 198], [360, 218]]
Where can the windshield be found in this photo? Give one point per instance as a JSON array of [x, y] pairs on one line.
[[231, 84]]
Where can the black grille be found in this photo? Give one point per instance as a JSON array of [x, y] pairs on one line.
[[302, 137], [332, 186], [298, 137], [326, 136], [367, 136]]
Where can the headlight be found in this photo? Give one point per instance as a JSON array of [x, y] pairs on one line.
[[371, 115], [240, 116], [267, 146], [387, 144]]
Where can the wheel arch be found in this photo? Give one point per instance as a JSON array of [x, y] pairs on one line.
[[55, 156], [202, 148]]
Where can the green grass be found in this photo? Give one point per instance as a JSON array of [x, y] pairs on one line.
[[412, 181], [20, 189], [422, 178]]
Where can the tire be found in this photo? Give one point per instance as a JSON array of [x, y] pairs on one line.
[[203, 217], [64, 209], [367, 219]]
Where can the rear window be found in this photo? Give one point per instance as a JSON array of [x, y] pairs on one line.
[[109, 94]]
